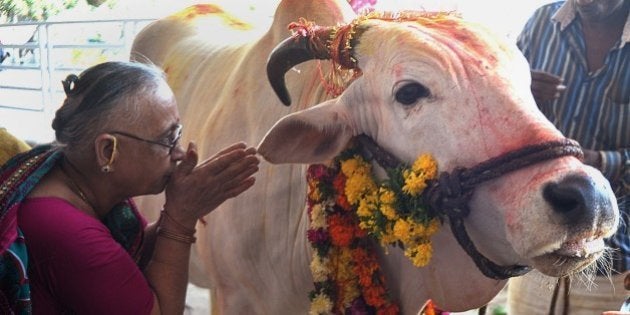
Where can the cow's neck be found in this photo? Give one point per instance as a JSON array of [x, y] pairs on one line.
[[451, 280]]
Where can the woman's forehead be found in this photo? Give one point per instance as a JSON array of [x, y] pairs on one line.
[[163, 90], [154, 113]]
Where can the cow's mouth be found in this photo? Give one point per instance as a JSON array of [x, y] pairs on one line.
[[572, 256]]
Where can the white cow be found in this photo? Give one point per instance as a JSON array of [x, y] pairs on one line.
[[439, 86]]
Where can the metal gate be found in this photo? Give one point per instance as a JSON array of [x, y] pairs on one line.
[[38, 55]]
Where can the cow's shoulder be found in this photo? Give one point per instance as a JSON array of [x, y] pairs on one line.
[[210, 22]]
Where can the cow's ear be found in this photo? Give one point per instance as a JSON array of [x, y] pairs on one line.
[[313, 135]]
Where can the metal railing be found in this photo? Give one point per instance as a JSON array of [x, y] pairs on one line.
[[55, 49]]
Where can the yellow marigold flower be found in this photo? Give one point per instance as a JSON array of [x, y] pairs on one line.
[[387, 236], [402, 230], [357, 186], [387, 196], [320, 268], [433, 227], [353, 190], [365, 225], [365, 209], [426, 165], [349, 166], [354, 166], [342, 261], [314, 193], [417, 229], [321, 304], [414, 184], [371, 194], [420, 255], [389, 212]]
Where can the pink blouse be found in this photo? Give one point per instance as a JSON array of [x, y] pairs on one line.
[[75, 264]]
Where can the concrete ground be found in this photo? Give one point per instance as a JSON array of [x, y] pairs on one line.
[[197, 302]]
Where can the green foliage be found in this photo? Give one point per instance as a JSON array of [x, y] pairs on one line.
[[32, 10], [499, 310]]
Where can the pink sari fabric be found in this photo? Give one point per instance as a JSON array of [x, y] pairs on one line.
[[76, 265]]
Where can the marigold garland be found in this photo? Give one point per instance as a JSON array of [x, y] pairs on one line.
[[345, 207]]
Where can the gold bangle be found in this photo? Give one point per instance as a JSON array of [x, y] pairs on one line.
[[187, 239], [180, 226]]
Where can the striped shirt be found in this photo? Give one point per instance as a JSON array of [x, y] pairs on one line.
[[595, 107]]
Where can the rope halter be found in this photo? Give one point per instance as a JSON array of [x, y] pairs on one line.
[[449, 195]]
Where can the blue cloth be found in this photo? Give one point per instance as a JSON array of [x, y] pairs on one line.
[[595, 107]]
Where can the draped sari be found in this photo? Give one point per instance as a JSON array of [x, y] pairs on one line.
[[17, 178]]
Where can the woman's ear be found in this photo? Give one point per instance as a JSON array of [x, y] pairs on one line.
[[106, 146]]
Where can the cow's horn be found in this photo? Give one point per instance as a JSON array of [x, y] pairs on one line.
[[293, 51]]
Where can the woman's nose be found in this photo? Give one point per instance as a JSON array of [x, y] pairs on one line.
[[178, 153]]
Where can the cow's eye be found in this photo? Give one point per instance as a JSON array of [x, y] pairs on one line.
[[411, 92]]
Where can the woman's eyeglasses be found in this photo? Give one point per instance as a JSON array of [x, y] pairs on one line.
[[171, 141]]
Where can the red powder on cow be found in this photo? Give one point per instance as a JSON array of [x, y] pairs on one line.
[[204, 10], [197, 10]]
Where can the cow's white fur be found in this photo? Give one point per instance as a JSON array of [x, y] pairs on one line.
[[253, 252]]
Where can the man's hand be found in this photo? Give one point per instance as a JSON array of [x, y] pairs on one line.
[[546, 86], [592, 158]]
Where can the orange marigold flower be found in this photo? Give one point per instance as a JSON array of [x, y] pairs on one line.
[[374, 296], [360, 233], [339, 183], [341, 230], [342, 201], [359, 255], [428, 308], [365, 270]]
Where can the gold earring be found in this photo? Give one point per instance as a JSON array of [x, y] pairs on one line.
[[108, 168]]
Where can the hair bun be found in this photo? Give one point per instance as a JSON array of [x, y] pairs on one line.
[[70, 84]]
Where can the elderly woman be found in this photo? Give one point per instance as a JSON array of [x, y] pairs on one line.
[[89, 251]]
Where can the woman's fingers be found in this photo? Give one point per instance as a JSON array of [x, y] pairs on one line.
[[202, 188], [232, 147], [189, 161], [243, 186], [229, 163], [220, 162], [238, 178]]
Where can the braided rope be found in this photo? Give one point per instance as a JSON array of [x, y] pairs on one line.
[[450, 194]]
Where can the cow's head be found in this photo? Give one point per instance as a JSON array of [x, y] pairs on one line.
[[432, 83]]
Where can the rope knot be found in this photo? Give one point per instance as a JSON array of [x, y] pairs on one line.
[[448, 195]]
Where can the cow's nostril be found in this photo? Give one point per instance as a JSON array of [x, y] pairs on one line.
[[562, 199], [574, 199]]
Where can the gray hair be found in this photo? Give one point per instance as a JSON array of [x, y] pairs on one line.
[[100, 96]]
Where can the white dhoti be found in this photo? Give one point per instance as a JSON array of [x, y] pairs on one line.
[[532, 295]]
